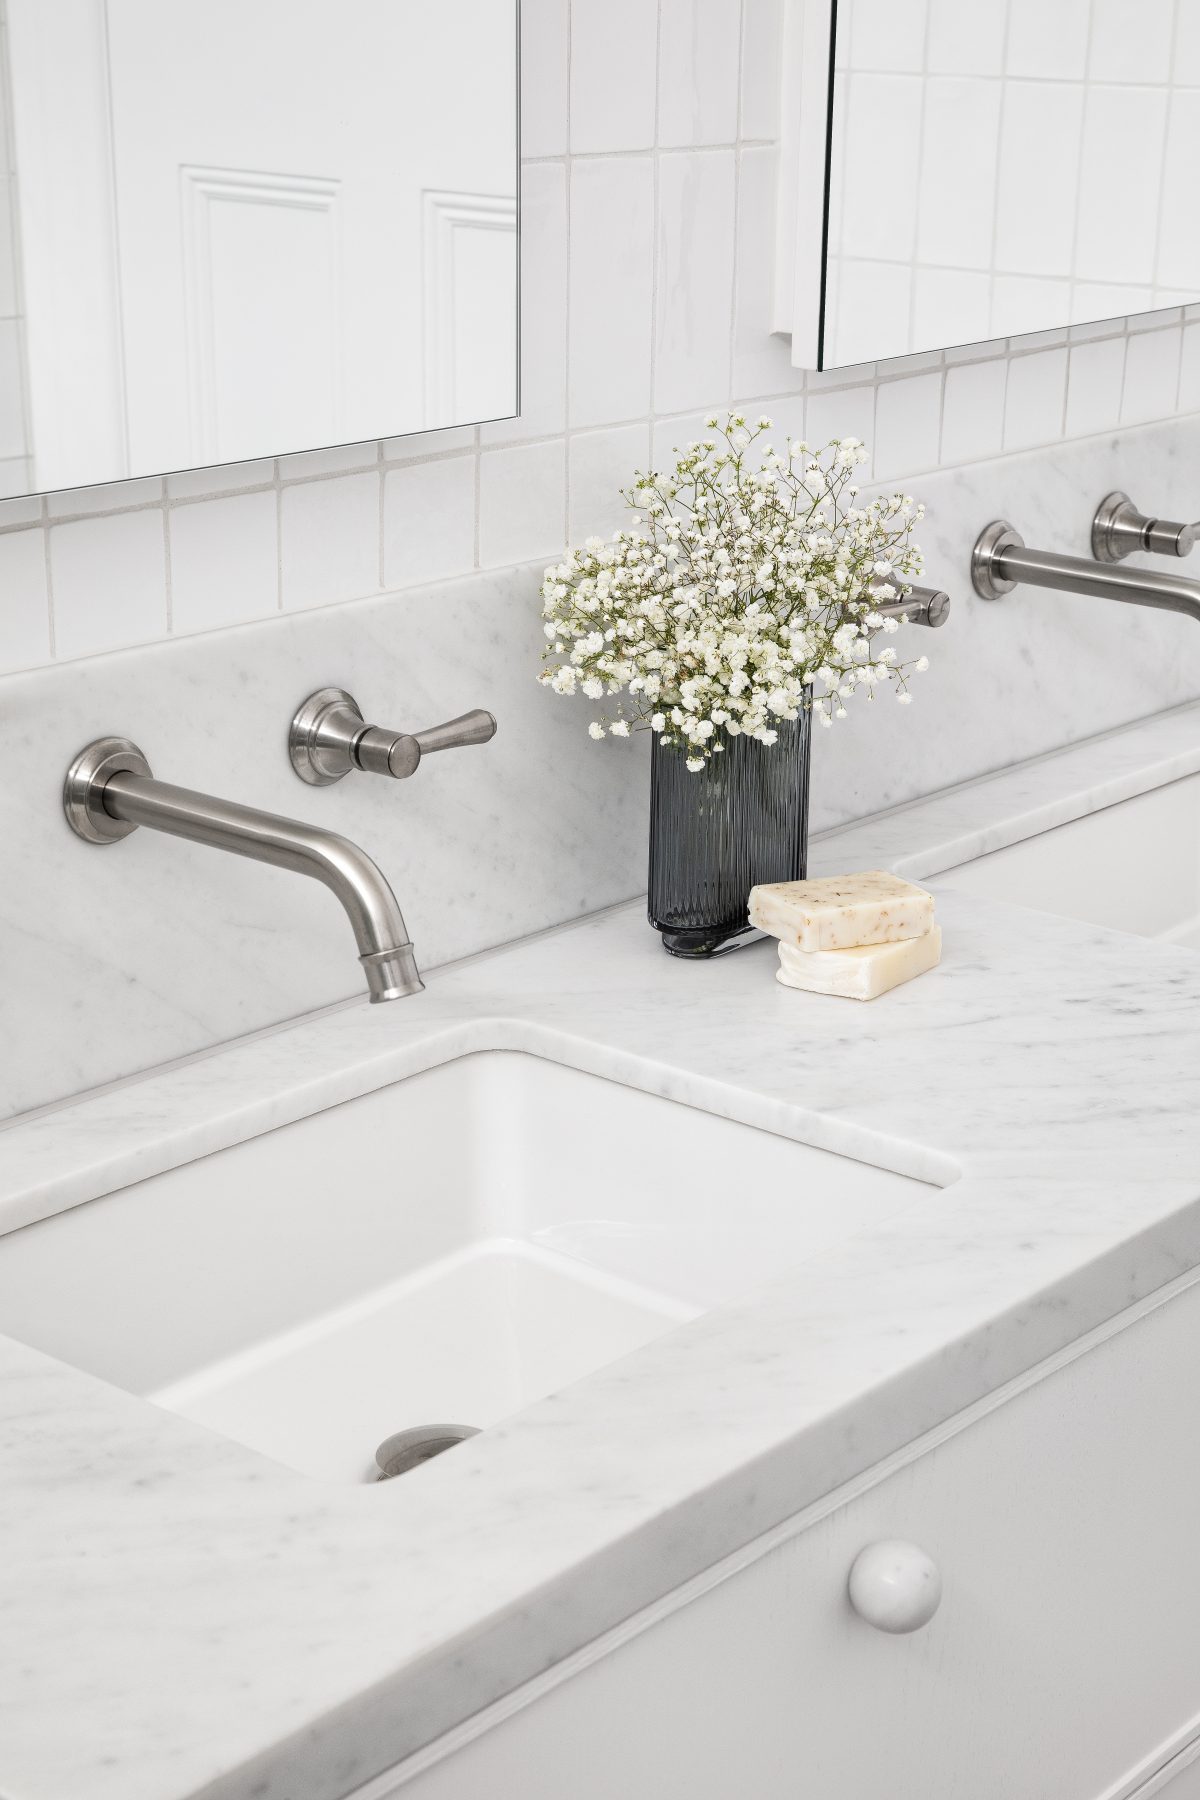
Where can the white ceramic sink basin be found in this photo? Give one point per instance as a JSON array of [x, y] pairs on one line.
[[1134, 866], [447, 1249]]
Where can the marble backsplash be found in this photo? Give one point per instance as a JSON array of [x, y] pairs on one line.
[[118, 958]]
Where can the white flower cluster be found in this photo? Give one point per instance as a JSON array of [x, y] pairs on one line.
[[739, 595]]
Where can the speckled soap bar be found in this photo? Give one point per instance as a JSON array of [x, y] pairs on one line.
[[840, 912], [862, 972]]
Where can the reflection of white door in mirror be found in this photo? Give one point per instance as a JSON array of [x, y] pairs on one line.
[[959, 171], [244, 232]]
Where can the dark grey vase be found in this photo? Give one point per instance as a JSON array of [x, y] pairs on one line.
[[715, 834]]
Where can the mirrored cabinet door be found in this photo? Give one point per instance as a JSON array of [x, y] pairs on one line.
[[242, 229], [956, 171]]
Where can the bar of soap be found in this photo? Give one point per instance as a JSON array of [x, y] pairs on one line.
[[862, 972], [839, 912]]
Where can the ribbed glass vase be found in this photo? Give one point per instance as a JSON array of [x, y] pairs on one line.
[[716, 833]]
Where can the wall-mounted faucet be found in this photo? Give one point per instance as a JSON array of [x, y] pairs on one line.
[[109, 791], [329, 737], [1000, 562], [1119, 529]]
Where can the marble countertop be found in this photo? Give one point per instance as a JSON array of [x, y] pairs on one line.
[[185, 1618]]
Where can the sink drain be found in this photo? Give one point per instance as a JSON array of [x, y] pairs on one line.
[[406, 1450]]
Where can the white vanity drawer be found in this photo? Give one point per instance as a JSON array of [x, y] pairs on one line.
[[1062, 1664]]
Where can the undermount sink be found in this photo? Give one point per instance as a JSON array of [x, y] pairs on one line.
[[447, 1249], [1134, 866]]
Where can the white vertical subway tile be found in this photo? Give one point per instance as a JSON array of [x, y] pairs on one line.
[[329, 540], [600, 464], [1033, 409], [613, 74], [839, 413], [694, 299], [1131, 39], [973, 411], [762, 361], [543, 395], [888, 34], [521, 503], [109, 583], [1094, 386], [544, 37], [224, 561], [428, 521], [1189, 369], [612, 275], [1151, 376], [698, 72], [1122, 163], [786, 413], [908, 418], [669, 438], [1048, 41], [762, 50], [24, 611], [965, 40]]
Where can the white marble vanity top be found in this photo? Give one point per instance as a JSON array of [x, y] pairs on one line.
[[183, 1617]]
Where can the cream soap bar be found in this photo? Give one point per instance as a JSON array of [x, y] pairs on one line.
[[842, 911], [862, 972]]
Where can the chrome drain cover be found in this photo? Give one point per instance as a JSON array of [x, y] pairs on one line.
[[406, 1450]]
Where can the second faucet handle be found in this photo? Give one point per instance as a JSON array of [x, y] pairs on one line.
[[1118, 529], [329, 737]]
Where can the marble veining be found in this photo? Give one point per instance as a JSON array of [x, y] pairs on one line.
[[484, 846], [185, 1619]]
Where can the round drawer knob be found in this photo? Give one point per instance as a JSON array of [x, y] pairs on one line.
[[895, 1586]]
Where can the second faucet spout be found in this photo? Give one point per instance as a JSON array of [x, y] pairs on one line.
[[1001, 561]]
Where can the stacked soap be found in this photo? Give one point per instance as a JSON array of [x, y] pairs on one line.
[[857, 935]]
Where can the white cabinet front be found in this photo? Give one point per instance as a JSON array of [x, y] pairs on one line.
[[1060, 1661]]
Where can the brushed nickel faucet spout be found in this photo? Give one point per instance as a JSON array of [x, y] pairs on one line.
[[1000, 562], [110, 791]]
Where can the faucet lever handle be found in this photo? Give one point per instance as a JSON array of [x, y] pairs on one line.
[[474, 727], [329, 737], [1119, 529], [920, 606]]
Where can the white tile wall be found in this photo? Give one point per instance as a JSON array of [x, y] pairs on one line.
[[428, 520], [224, 562], [329, 540], [647, 245], [108, 582]]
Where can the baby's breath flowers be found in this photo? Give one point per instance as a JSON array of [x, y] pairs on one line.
[[738, 595]]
